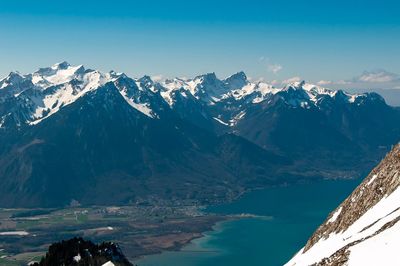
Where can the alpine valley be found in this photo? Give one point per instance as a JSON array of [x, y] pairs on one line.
[[71, 134]]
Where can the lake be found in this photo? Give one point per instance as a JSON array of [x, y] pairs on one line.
[[287, 218]]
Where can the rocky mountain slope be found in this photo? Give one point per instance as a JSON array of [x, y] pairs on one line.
[[99, 145], [365, 228], [68, 133]]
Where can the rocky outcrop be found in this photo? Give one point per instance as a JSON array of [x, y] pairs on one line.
[[77, 251], [358, 230]]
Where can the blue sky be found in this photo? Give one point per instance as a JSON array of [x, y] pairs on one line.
[[336, 43]]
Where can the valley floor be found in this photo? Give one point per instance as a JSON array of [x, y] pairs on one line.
[[140, 230]]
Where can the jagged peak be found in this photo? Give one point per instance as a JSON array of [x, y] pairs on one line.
[[207, 77], [146, 79], [239, 75], [61, 65], [117, 75], [237, 80], [14, 76], [296, 85]]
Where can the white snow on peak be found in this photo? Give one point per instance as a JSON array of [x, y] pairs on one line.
[[57, 74], [207, 88], [49, 89], [314, 92], [210, 89], [62, 84], [14, 78], [64, 75], [259, 90]]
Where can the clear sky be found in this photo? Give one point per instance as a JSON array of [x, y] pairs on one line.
[[336, 43]]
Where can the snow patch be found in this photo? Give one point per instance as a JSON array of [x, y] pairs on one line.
[[386, 210], [77, 258], [141, 107], [382, 249], [372, 179], [335, 215], [222, 122]]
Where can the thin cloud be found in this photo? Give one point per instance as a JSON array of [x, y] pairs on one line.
[[291, 80], [275, 82], [377, 76], [373, 79], [157, 78], [343, 82], [325, 82], [274, 68]]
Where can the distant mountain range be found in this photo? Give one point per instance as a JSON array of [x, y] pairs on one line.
[[365, 228], [70, 134]]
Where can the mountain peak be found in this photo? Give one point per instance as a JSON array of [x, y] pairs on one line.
[[208, 77], [239, 75], [14, 78], [297, 84], [61, 65], [237, 81], [146, 79]]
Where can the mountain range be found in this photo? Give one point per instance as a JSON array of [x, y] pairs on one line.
[[70, 134], [365, 228]]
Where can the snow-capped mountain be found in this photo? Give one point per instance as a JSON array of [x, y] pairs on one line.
[[365, 228], [217, 136], [44, 92], [28, 99]]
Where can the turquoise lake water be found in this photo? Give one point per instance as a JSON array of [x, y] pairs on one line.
[[288, 216]]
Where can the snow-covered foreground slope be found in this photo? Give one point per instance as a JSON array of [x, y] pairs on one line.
[[365, 228]]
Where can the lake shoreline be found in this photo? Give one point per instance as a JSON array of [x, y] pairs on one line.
[[263, 227], [196, 236]]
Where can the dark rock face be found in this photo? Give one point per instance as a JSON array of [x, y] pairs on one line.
[[333, 135], [100, 150], [79, 252]]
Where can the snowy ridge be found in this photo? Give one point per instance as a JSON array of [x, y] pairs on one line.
[[39, 95], [210, 89], [47, 90], [365, 228]]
